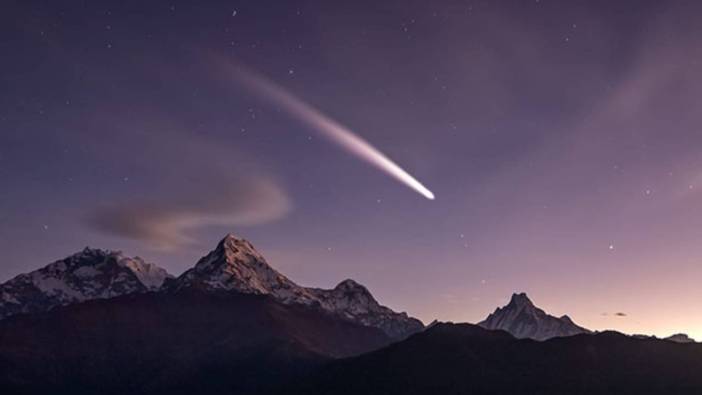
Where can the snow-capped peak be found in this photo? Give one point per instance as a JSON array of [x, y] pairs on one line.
[[350, 285], [520, 300], [233, 247], [151, 275], [235, 265], [88, 274], [523, 319]]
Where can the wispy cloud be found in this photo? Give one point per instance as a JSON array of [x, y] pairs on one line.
[[164, 222], [181, 182], [617, 314]]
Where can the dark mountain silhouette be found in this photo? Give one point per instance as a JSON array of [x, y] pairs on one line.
[[680, 338], [184, 342], [467, 359]]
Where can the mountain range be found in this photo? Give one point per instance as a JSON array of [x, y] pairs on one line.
[[233, 266], [236, 266], [100, 322]]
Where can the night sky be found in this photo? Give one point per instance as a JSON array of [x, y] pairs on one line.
[[562, 140]]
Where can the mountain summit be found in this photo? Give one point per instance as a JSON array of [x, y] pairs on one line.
[[86, 275], [235, 265], [523, 319]]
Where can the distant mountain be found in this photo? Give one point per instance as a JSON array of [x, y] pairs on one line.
[[231, 324], [89, 274], [235, 265], [680, 338], [524, 320], [467, 359], [677, 338], [101, 323], [185, 342]]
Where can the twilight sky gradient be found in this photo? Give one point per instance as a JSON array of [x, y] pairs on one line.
[[562, 139]]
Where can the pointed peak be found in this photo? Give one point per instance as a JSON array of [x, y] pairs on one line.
[[233, 265], [349, 284], [523, 319], [520, 299], [231, 239], [233, 244], [236, 266]]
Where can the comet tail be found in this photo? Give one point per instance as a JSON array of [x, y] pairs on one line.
[[327, 127]]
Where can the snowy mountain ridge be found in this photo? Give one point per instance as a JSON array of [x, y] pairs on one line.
[[235, 265], [86, 275], [521, 318]]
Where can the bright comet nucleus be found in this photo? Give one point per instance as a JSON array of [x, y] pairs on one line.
[[327, 127]]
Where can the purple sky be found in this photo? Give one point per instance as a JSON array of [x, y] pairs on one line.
[[562, 140]]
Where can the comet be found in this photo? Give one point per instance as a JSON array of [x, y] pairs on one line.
[[326, 127]]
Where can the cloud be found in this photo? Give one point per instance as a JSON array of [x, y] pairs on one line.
[[179, 181], [617, 314], [164, 222]]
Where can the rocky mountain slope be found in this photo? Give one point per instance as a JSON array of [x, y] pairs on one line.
[[89, 274], [235, 265], [524, 320]]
